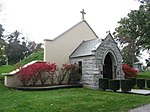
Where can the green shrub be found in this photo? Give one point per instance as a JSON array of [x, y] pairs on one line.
[[114, 85], [126, 85], [148, 83], [103, 83], [140, 83], [133, 81]]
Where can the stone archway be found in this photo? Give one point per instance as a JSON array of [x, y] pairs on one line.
[[109, 65], [107, 68]]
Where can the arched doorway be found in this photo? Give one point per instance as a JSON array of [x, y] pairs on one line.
[[108, 67]]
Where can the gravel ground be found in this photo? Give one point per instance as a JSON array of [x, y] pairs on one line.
[[145, 108]]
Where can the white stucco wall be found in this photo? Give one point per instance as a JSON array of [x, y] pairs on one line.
[[58, 50]]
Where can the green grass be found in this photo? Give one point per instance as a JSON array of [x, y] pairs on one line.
[[145, 75], [6, 69], [68, 100], [35, 56]]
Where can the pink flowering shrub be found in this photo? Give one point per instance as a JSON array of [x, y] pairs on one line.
[[36, 71], [67, 71], [42, 71], [129, 71]]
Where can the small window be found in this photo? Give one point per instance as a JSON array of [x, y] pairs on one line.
[[80, 67]]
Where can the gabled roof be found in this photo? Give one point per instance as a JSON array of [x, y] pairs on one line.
[[110, 36], [71, 29], [86, 48]]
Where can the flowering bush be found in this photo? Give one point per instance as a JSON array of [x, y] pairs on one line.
[[71, 71], [36, 71], [42, 71], [129, 71], [67, 71], [25, 75]]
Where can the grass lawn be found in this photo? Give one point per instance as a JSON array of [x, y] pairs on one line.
[[68, 100], [145, 75], [6, 69]]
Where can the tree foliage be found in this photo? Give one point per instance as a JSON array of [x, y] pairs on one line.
[[2, 46], [133, 32], [144, 1], [126, 35], [15, 47], [143, 24], [18, 47]]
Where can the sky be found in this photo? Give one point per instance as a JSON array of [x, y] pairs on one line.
[[47, 19]]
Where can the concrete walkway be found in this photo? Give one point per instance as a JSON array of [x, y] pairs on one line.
[[140, 92], [145, 108]]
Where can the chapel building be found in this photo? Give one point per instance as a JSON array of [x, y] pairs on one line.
[[97, 57]]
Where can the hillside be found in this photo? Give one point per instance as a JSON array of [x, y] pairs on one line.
[[35, 56]]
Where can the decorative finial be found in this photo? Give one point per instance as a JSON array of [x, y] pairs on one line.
[[82, 12]]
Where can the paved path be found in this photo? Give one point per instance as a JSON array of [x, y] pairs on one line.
[[145, 108], [140, 91]]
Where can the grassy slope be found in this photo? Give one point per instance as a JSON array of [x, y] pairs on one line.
[[36, 56], [9, 68], [145, 75]]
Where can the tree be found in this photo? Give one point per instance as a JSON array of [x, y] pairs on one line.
[[125, 33], [133, 31], [144, 1], [2, 46], [144, 25], [148, 62], [34, 47], [16, 48], [2, 43]]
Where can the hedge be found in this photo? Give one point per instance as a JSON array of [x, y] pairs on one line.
[[133, 81], [114, 85], [126, 85], [148, 83], [103, 83], [140, 83]]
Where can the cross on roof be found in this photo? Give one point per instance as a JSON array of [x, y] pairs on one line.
[[82, 12]]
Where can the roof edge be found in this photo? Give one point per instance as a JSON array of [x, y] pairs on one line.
[[90, 28], [47, 40], [81, 56], [114, 41]]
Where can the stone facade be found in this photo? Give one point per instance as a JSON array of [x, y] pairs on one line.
[[92, 66]]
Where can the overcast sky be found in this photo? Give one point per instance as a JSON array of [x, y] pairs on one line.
[[46, 19]]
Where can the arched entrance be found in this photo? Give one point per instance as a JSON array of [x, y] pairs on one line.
[[107, 68]]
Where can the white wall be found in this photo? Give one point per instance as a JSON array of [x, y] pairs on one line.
[[58, 50]]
